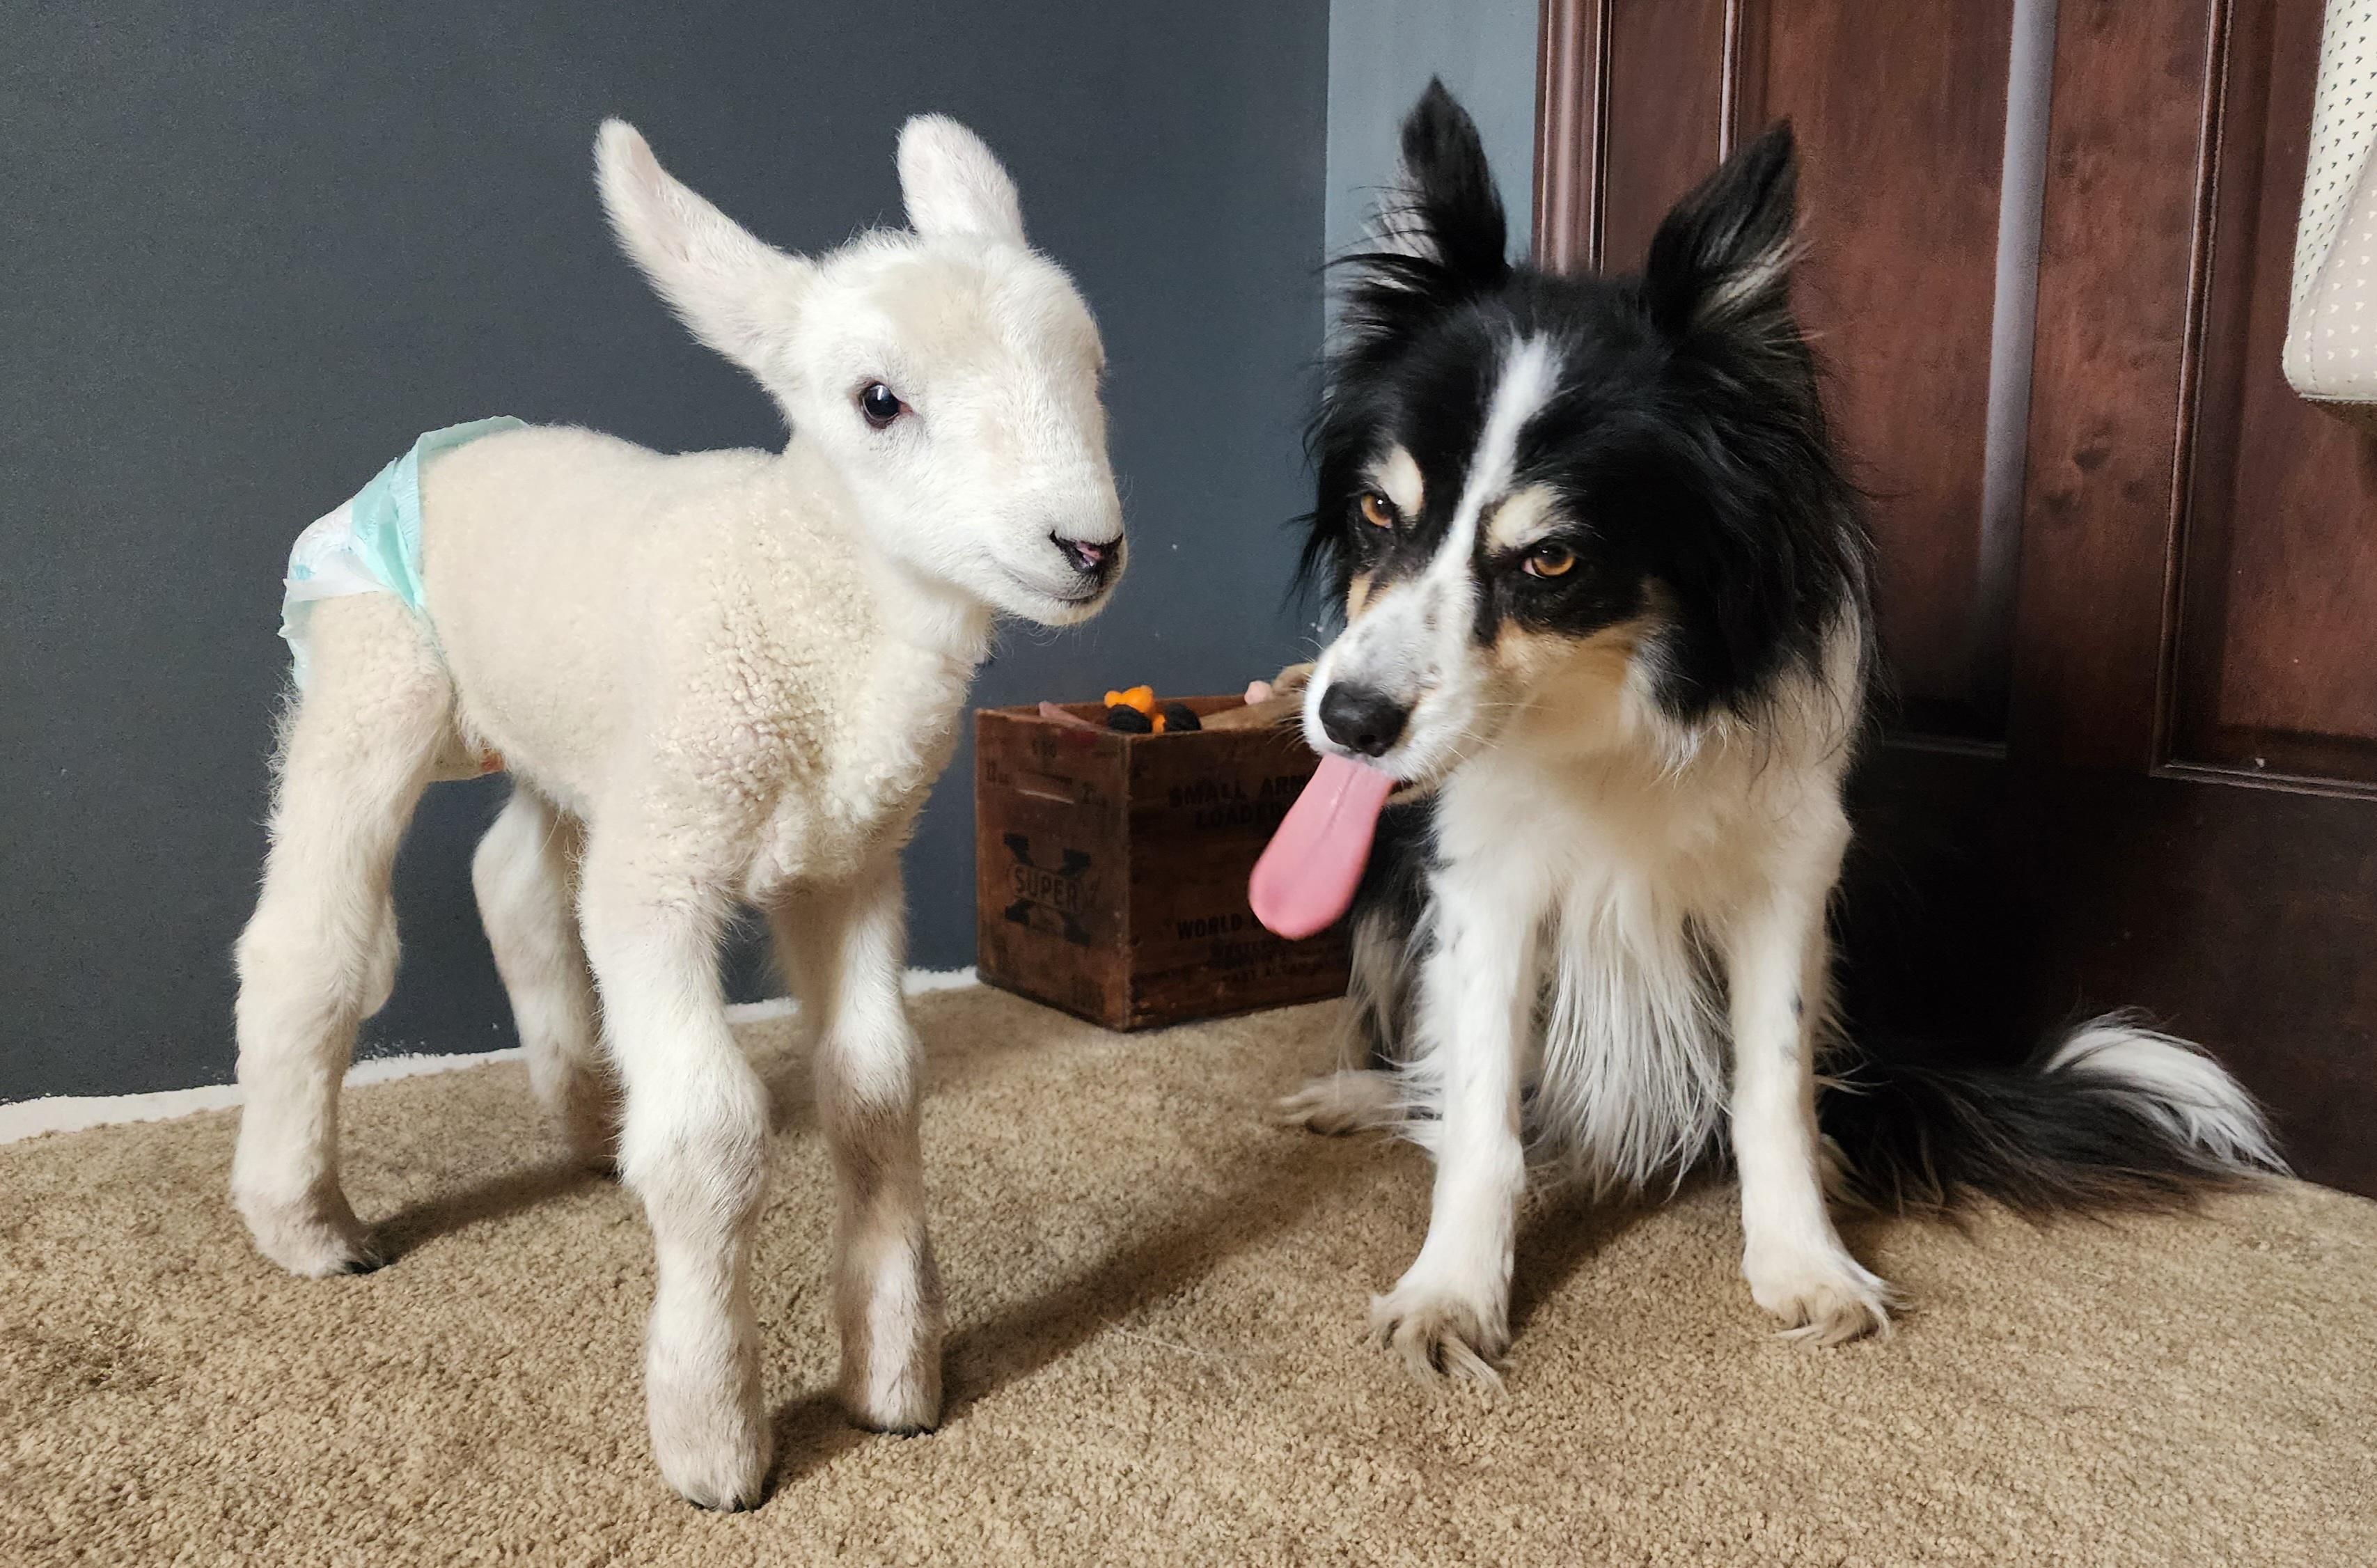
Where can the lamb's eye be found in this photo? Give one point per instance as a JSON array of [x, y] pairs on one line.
[[880, 405], [1377, 510], [1550, 560]]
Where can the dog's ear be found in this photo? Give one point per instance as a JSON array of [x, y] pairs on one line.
[[1724, 255], [740, 296], [951, 183], [1443, 212]]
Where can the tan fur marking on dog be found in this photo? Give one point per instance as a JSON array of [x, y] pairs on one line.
[[1520, 518], [1527, 663], [1357, 593], [1397, 477]]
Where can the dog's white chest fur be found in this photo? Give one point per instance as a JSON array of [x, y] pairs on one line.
[[1621, 861]]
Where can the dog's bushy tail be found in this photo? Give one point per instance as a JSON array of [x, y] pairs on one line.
[[2113, 1116]]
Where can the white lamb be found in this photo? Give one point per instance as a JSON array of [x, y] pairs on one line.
[[719, 678]]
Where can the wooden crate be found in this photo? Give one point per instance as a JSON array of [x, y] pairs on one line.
[[1111, 869]]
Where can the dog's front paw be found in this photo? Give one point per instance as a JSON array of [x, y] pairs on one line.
[[1441, 1332], [1822, 1298]]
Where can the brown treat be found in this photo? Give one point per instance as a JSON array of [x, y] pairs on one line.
[[1255, 715]]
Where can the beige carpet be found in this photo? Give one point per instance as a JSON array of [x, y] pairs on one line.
[[1155, 1356]]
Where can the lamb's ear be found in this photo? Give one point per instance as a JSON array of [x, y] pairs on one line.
[[951, 183], [1725, 254], [1443, 209], [737, 294]]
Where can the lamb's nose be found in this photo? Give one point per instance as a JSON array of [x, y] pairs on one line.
[[1362, 718], [1092, 559]]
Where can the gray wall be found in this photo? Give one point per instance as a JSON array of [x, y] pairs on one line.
[[1381, 54], [251, 250]]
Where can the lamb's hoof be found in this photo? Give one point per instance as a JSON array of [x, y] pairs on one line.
[[908, 1407], [315, 1239], [1821, 1300], [1338, 1103], [913, 1422], [1440, 1332], [902, 1395], [710, 1429], [725, 1471]]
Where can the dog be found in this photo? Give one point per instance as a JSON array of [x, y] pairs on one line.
[[1608, 630]]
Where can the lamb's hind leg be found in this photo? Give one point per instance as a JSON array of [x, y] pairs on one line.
[[845, 953], [526, 874], [319, 955]]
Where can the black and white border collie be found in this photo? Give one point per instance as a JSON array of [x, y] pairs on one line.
[[1607, 627]]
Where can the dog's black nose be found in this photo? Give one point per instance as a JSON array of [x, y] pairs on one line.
[[1362, 718], [1092, 559]]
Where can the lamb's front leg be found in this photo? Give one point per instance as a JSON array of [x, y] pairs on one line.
[[693, 1145], [845, 953], [1779, 960], [1451, 1311]]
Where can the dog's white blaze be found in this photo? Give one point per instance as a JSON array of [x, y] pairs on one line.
[[1529, 377]]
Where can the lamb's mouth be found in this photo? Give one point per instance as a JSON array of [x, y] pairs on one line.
[[1042, 591]]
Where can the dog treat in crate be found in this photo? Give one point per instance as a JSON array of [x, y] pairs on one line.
[[1256, 715], [1135, 710]]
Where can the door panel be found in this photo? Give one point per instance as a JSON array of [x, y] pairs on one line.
[[2280, 596], [1901, 110], [1667, 104], [2112, 369]]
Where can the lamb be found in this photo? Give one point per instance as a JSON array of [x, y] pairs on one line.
[[717, 678]]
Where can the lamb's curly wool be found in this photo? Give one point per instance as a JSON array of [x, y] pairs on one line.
[[717, 678]]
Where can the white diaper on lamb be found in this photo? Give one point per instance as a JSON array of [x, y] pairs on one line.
[[719, 678]]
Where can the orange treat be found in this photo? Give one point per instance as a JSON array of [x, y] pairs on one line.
[[1140, 697]]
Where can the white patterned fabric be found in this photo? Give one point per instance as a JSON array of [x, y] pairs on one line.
[[2331, 355]]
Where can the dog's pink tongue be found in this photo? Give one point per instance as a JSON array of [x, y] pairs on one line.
[[1308, 874]]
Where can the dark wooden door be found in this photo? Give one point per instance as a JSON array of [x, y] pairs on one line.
[[2129, 580]]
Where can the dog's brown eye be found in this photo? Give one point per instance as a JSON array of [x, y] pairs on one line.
[[1550, 560], [1377, 510], [880, 405]]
